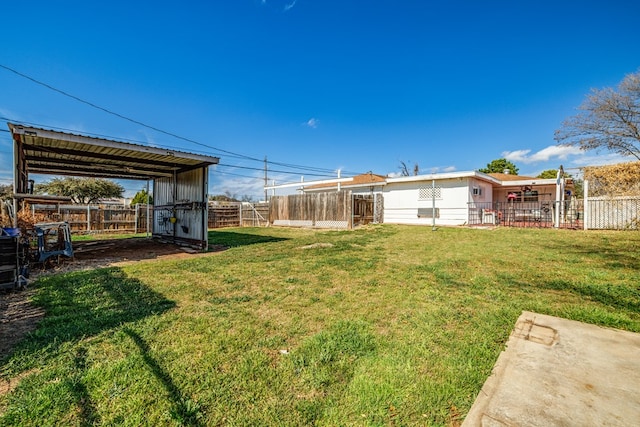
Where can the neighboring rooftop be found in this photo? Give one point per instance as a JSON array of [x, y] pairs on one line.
[[510, 177]]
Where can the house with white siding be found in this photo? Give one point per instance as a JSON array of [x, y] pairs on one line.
[[417, 199], [472, 197], [454, 198]]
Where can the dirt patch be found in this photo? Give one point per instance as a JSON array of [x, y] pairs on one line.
[[317, 245], [8, 384], [105, 253], [18, 316]]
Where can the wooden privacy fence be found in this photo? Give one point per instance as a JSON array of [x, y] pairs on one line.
[[96, 218], [339, 209], [120, 219], [238, 214]]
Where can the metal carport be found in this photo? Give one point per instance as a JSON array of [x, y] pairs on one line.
[[180, 179]]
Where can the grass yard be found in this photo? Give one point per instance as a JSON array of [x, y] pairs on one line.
[[385, 325]]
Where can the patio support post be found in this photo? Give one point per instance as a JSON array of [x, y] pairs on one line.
[[433, 205], [585, 205], [559, 196]]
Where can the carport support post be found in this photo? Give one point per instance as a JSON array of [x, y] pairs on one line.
[[147, 208]]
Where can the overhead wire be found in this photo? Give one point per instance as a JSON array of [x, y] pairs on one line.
[[239, 175], [121, 116], [329, 172], [98, 135], [271, 170], [162, 131]]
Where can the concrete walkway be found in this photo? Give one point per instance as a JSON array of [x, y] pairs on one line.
[[558, 372]]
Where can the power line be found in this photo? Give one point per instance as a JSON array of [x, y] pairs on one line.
[[272, 170], [166, 146], [329, 172], [237, 174], [220, 164], [111, 137], [138, 122], [113, 113]]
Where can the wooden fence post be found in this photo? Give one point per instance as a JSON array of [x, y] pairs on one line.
[[135, 226]]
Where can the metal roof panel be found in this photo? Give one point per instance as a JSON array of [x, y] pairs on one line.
[[53, 152]]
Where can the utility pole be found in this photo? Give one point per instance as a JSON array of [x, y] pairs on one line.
[[265, 179]]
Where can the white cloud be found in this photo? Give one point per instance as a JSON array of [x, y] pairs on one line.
[[289, 6], [424, 171], [440, 169], [595, 159], [241, 183], [551, 152], [312, 123]]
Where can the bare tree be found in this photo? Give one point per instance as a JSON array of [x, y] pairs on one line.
[[609, 119], [404, 169]]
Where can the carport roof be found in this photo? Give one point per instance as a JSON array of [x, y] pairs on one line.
[[59, 153]]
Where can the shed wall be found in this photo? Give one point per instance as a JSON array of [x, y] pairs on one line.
[[185, 199]]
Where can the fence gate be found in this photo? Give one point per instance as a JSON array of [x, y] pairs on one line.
[[254, 214], [363, 209]]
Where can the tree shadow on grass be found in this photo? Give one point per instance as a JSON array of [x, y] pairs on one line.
[[87, 410], [611, 254], [185, 411], [616, 296], [80, 305], [236, 238]]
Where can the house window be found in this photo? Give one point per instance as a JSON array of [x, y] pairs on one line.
[[427, 193], [531, 196], [476, 191], [428, 212], [527, 196]]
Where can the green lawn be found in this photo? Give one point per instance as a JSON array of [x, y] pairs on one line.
[[387, 325]]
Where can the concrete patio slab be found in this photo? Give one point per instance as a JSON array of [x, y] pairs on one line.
[[558, 372]]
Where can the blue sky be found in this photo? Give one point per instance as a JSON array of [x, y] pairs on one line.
[[350, 85]]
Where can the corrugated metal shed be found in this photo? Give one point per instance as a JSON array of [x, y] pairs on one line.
[[180, 178]]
